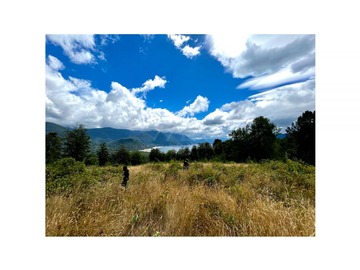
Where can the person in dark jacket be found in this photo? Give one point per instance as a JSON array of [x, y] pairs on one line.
[[125, 177], [186, 165]]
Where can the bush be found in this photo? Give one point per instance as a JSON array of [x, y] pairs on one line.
[[60, 174]]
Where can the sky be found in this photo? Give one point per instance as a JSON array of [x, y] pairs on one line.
[[202, 86]]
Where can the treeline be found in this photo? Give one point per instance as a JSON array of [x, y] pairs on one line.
[[254, 142], [77, 144]]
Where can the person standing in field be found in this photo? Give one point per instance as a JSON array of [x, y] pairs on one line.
[[186, 165], [125, 177]]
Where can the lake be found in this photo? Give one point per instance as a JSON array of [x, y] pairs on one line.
[[164, 149]]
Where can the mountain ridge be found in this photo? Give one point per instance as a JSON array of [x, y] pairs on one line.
[[130, 139]]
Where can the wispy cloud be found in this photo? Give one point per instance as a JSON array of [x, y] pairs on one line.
[[55, 63], [271, 60], [188, 51], [77, 47]]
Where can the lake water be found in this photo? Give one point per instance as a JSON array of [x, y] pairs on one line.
[[164, 149]]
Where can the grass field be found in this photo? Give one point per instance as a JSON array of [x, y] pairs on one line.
[[210, 199]]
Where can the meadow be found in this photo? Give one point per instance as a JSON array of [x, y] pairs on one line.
[[272, 198]]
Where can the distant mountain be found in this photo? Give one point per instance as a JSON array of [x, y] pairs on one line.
[[130, 139], [281, 136], [129, 143], [52, 127]]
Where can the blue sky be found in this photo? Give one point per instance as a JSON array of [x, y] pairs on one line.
[[203, 86]]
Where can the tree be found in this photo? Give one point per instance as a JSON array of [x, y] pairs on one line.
[[103, 154], [194, 153], [183, 153], [217, 146], [53, 147], [301, 137], [77, 143], [136, 158], [238, 148], [156, 155], [205, 151], [263, 138], [255, 141], [170, 155], [121, 156]]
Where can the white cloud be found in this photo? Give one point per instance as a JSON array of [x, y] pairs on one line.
[[188, 51], [284, 76], [73, 101], [150, 85], [106, 39], [201, 104], [275, 58], [281, 105], [217, 117], [55, 63], [77, 47], [178, 40]]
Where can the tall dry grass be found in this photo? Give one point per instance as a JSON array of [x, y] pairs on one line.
[[270, 199]]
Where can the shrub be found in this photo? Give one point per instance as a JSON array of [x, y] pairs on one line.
[[60, 174]]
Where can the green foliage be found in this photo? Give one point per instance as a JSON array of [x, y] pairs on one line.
[[77, 143], [156, 155], [121, 156], [103, 154], [173, 169], [255, 141], [205, 151], [53, 147], [183, 153], [301, 138], [194, 153], [170, 155], [60, 174], [217, 146], [136, 158]]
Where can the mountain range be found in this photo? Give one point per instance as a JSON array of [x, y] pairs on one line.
[[130, 139]]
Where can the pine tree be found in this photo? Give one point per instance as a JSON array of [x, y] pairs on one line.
[[77, 143]]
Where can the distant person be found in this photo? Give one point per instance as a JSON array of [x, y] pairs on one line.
[[186, 165], [125, 177]]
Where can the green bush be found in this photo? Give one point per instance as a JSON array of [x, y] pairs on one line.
[[61, 175]]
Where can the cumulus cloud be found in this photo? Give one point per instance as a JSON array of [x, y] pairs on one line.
[[77, 47], [73, 101], [217, 117], [275, 58], [201, 104], [190, 52], [150, 85], [180, 40]]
